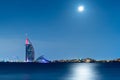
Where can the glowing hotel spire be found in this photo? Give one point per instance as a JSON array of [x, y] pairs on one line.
[[27, 41], [29, 51]]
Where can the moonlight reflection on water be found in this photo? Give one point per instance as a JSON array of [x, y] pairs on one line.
[[83, 72]]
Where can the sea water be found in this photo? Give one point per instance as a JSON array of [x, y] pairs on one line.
[[60, 71]]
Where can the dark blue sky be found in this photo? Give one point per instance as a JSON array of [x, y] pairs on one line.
[[58, 31]]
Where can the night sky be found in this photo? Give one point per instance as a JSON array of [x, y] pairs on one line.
[[58, 31]]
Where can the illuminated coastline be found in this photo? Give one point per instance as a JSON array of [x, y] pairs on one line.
[[86, 60], [30, 57]]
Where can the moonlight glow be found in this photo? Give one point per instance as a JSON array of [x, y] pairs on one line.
[[81, 8]]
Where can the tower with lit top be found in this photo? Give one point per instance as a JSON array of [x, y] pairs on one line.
[[29, 51]]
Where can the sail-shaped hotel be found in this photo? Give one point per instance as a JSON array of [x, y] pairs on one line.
[[30, 54]]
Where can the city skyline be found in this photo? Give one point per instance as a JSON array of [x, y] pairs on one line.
[[58, 31]]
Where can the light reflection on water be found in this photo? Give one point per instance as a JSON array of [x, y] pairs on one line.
[[83, 72], [74, 71]]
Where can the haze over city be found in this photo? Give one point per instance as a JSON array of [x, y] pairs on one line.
[[58, 30]]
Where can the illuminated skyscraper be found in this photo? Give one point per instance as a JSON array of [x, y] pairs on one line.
[[30, 54]]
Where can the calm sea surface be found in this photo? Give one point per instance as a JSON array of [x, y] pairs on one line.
[[60, 71]]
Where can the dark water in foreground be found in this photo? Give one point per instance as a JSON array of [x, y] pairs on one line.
[[60, 71]]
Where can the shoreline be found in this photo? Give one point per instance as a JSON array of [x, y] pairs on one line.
[[86, 60]]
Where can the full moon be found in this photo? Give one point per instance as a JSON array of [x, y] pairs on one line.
[[81, 8]]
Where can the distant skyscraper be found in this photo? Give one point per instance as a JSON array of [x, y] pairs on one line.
[[30, 54]]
